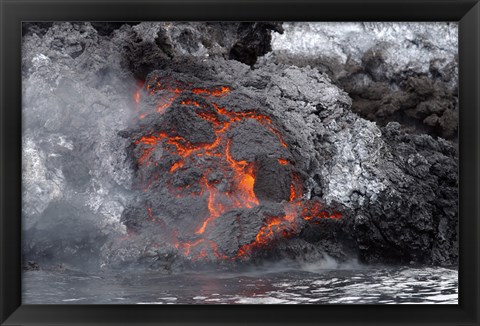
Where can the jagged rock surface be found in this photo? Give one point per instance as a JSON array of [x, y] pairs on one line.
[[155, 42], [407, 73]]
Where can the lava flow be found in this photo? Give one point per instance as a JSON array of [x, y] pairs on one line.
[[224, 182]]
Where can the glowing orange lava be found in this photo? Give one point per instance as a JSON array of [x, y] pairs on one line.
[[273, 229], [216, 92], [241, 173], [138, 94], [176, 165], [137, 97]]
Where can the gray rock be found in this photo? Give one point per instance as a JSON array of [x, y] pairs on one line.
[[403, 72]]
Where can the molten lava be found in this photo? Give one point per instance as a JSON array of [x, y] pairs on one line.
[[240, 192]]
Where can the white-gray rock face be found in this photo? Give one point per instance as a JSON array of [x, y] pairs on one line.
[[404, 46], [403, 72]]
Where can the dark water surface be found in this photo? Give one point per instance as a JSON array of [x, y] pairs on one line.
[[275, 285]]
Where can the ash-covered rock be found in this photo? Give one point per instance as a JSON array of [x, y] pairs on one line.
[[405, 72]]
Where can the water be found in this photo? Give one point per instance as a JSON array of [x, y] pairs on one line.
[[312, 285]]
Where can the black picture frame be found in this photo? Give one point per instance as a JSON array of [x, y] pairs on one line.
[[13, 12]]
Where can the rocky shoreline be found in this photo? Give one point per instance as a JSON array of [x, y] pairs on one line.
[[367, 135]]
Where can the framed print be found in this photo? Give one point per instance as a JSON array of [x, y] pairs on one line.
[[239, 163]]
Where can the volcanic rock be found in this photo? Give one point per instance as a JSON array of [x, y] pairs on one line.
[[273, 179], [405, 73], [254, 41], [208, 160], [237, 228], [155, 43], [350, 160]]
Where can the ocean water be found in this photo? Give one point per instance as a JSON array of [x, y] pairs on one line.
[[269, 285]]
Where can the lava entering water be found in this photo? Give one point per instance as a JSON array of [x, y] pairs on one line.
[[240, 191]]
